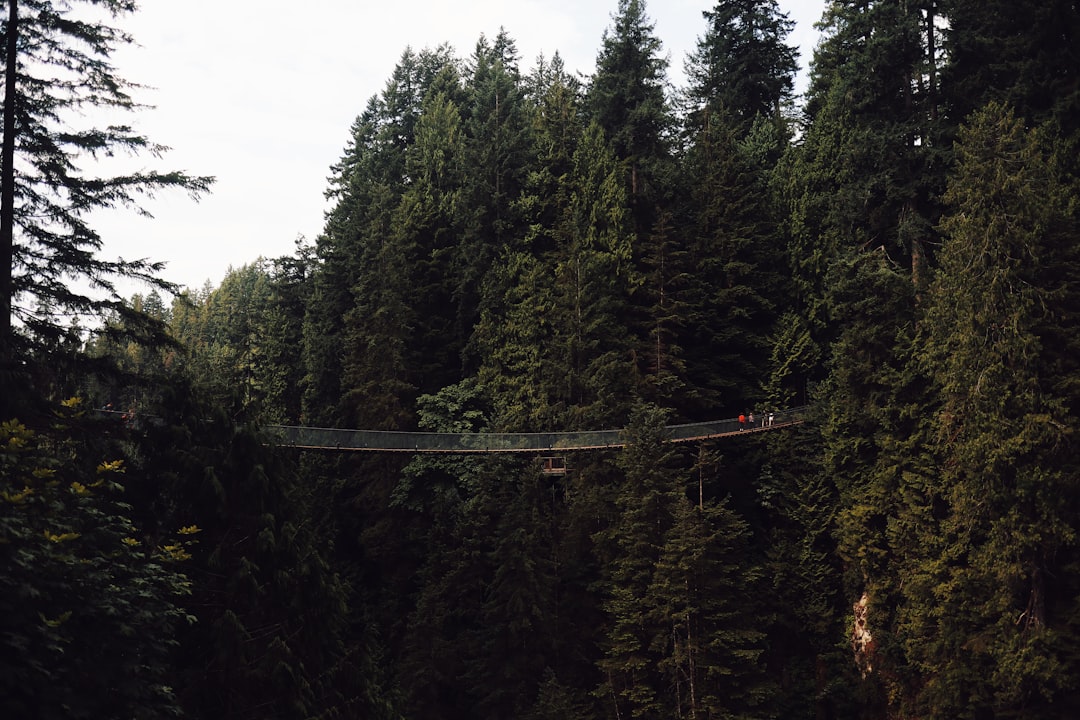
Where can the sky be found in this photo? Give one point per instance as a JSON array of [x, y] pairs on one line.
[[261, 94]]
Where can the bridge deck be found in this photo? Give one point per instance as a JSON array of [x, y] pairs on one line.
[[311, 438]]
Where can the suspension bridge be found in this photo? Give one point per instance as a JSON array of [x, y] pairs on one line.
[[315, 438]]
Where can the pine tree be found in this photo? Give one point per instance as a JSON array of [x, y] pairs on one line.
[[41, 175], [557, 350], [626, 99], [480, 630], [804, 608], [428, 229], [981, 623], [1016, 53], [741, 68], [271, 611], [497, 149]]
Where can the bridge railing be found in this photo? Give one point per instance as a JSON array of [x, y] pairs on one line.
[[716, 428], [400, 441], [396, 441]]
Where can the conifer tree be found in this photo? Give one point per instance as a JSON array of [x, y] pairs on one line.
[[428, 230], [519, 316], [366, 188], [981, 620], [593, 276], [733, 264], [497, 148], [645, 501], [271, 611], [741, 67], [803, 586], [46, 195], [626, 99], [1016, 53], [870, 165], [703, 595]]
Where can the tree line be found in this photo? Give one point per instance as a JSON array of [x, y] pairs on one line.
[[530, 250]]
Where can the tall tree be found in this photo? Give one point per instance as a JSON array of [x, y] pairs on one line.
[[626, 98], [1020, 53], [365, 188], [871, 163], [734, 263], [593, 277], [46, 238], [984, 621], [633, 547], [497, 150], [515, 335], [742, 66]]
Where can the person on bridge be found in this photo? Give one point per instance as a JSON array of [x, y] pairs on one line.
[[742, 421]]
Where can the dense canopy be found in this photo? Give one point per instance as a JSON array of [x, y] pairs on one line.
[[516, 249]]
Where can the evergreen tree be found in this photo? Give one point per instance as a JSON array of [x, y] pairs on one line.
[[557, 351], [273, 629], [667, 271], [984, 621], [805, 610], [741, 68], [870, 167], [645, 499], [593, 277], [357, 268], [733, 263], [515, 336], [626, 99], [703, 594], [281, 369], [497, 151], [1016, 53], [428, 228], [479, 634], [45, 196]]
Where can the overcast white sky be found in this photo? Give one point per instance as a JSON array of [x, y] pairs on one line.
[[261, 94]]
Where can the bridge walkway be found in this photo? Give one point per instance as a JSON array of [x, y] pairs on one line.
[[314, 438]]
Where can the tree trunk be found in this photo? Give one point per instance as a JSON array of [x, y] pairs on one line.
[[7, 181]]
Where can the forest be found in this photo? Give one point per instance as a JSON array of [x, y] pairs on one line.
[[516, 248]]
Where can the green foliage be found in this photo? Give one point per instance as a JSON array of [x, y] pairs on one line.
[[741, 65], [273, 625], [57, 68], [478, 635], [626, 97], [518, 253], [1015, 53], [678, 584], [90, 601], [1002, 522], [733, 267]]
